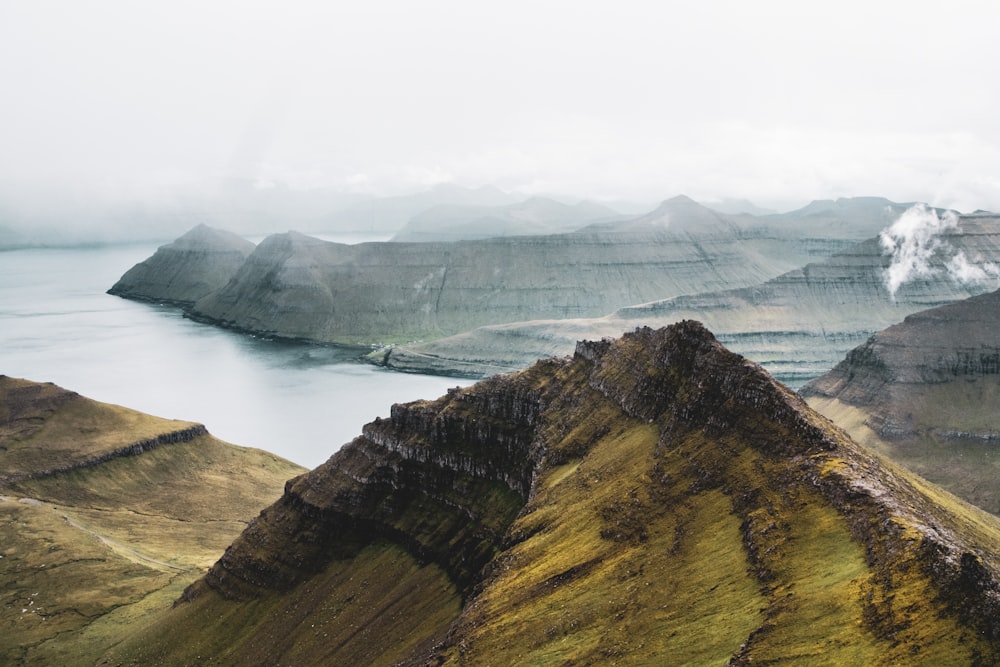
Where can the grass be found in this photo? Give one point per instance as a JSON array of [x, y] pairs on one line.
[[371, 610], [606, 575], [968, 468], [43, 426], [726, 537], [92, 553]]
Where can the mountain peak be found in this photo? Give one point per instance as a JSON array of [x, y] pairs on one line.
[[610, 504]]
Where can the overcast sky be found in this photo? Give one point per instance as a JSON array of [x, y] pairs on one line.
[[778, 102]]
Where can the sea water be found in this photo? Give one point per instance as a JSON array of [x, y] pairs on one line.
[[300, 401]]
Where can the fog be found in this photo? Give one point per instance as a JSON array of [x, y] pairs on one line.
[[125, 118]]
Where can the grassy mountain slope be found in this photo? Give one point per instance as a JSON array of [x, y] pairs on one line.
[[654, 499], [107, 514]]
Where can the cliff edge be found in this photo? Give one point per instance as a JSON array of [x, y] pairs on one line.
[[925, 392], [650, 498], [196, 264]]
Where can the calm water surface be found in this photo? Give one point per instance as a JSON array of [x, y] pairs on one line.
[[299, 401]]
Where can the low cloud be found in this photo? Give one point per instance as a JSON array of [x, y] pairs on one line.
[[919, 246]]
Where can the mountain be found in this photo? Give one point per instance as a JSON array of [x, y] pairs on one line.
[[925, 392], [678, 214], [389, 214], [799, 324], [734, 206], [537, 215], [196, 264], [107, 514], [296, 286], [653, 499]]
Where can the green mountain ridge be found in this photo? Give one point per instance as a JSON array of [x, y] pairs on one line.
[[654, 498]]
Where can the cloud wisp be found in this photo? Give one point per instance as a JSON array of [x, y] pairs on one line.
[[919, 247]]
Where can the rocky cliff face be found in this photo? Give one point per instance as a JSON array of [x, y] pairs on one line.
[[300, 287], [798, 325], [925, 392], [650, 498], [196, 264]]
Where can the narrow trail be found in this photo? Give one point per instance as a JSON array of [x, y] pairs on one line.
[[125, 552]]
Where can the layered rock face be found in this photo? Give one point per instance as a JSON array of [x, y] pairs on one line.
[[196, 264], [107, 514], [925, 392], [299, 287], [798, 325], [651, 499]]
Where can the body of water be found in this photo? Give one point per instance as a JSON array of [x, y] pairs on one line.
[[300, 401]]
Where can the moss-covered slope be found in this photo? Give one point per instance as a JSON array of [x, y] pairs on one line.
[[651, 500], [107, 514]]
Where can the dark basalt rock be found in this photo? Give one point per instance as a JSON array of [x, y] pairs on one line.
[[472, 482]]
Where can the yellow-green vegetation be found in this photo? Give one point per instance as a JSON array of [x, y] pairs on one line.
[[933, 446], [683, 509], [88, 554], [607, 573], [372, 610], [32, 441]]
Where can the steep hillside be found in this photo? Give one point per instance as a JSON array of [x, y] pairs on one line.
[[798, 325], [198, 263], [926, 392], [299, 287], [654, 499], [107, 514], [296, 286]]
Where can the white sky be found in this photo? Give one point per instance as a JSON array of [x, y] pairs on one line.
[[778, 102]]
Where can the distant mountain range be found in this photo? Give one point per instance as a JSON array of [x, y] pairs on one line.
[[798, 324], [537, 215], [297, 286]]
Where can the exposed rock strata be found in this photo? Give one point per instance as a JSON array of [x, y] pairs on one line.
[[612, 505], [798, 325], [295, 286], [298, 287], [925, 392], [196, 264]]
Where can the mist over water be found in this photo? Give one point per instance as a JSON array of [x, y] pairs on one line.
[[297, 400]]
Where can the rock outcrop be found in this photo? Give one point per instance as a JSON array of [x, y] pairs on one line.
[[651, 499], [196, 264], [798, 325], [925, 392], [107, 514]]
